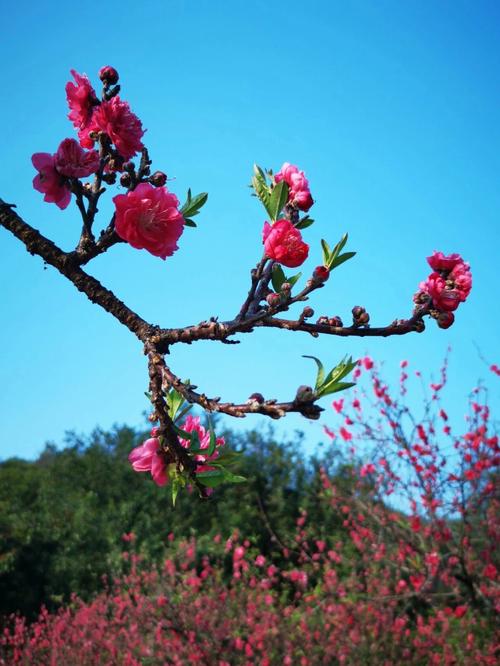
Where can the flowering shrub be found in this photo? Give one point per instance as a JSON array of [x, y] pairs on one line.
[[148, 216], [377, 585]]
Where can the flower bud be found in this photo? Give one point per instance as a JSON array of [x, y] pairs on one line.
[[357, 311], [286, 288], [307, 312], [419, 326], [304, 394], [256, 397], [445, 319], [158, 179], [335, 321], [129, 166], [109, 178], [321, 273], [273, 299], [363, 319], [323, 321], [125, 179], [108, 75]]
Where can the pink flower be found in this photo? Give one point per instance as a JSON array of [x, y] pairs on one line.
[[49, 181], [443, 297], [147, 458], [148, 218], [121, 125], [367, 469], [345, 434], [81, 101], [193, 423], [449, 284], [439, 262], [283, 243], [72, 161], [462, 278], [299, 193]]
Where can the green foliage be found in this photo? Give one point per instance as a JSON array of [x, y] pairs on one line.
[[331, 383], [192, 207], [62, 516], [333, 258]]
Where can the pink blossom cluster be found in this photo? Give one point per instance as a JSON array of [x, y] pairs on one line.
[[299, 194], [69, 161], [148, 218], [149, 456], [447, 286], [111, 116]]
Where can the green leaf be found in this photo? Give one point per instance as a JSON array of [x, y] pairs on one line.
[[326, 252], [182, 433], [332, 382], [213, 442], [321, 371], [261, 188], [304, 222], [339, 246], [174, 400], [279, 197], [175, 486], [228, 457], [193, 204], [183, 412], [334, 387], [340, 259], [212, 478], [277, 277], [294, 279], [233, 478], [189, 223]]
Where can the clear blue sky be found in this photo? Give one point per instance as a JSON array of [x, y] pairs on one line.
[[391, 108]]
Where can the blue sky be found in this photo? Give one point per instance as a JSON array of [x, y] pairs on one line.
[[392, 110]]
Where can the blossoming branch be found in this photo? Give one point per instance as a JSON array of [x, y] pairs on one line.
[[148, 216]]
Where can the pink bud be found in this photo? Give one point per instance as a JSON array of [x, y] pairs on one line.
[[321, 273], [108, 75]]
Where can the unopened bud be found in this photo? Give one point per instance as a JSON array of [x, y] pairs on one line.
[[321, 273], [357, 311], [335, 321], [304, 394], [125, 179], [419, 326], [363, 319], [158, 179], [323, 321], [273, 299], [129, 166], [286, 288], [109, 178], [445, 319], [256, 397], [307, 312], [108, 75]]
